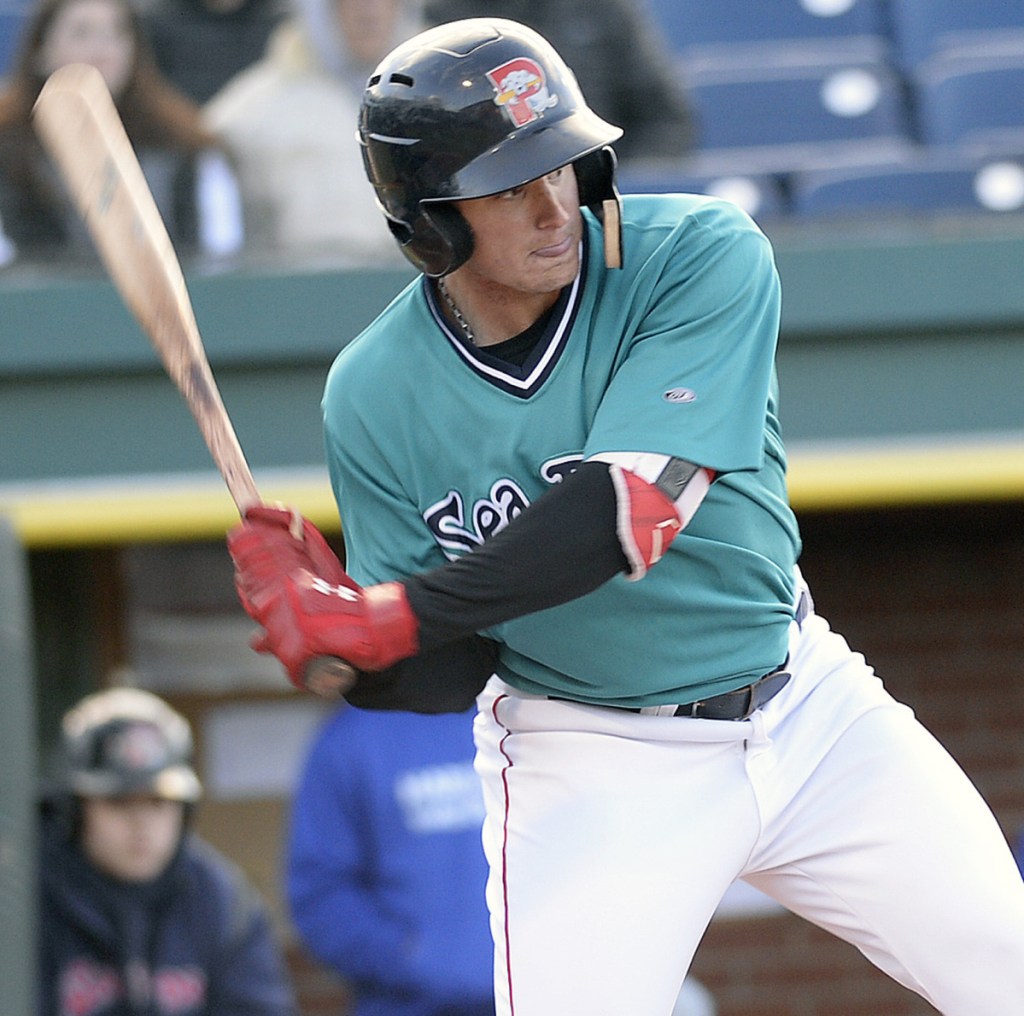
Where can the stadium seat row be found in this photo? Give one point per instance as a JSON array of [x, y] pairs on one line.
[[907, 32], [810, 106]]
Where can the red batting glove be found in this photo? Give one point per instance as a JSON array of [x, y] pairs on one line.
[[273, 543], [369, 628], [292, 583]]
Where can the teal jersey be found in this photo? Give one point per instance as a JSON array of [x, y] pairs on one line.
[[434, 445]]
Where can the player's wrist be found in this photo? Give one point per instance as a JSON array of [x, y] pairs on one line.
[[370, 629], [393, 622]]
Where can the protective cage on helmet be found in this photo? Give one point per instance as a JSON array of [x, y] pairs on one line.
[[466, 110]]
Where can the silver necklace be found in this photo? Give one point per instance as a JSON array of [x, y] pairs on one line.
[[456, 313]]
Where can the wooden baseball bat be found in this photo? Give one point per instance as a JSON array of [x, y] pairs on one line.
[[79, 125]]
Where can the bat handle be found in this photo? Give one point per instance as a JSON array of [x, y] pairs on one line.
[[329, 677]]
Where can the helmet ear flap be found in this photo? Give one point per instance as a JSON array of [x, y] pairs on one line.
[[451, 224], [595, 177], [64, 810], [438, 240]]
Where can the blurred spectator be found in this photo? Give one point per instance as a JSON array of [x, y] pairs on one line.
[[136, 914], [386, 871], [201, 44], [290, 123], [190, 177], [624, 70]]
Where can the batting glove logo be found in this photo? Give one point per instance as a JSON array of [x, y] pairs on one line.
[[325, 588]]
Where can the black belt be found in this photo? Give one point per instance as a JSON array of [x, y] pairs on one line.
[[737, 704], [731, 705]]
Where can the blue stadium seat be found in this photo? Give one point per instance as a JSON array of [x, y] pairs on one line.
[[924, 28], [760, 195], [973, 100], [930, 183], [752, 32], [780, 116]]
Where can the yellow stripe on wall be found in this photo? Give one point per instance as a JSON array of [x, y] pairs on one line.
[[118, 511], [901, 474]]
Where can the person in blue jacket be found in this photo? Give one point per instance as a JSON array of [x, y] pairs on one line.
[[385, 866], [137, 916]]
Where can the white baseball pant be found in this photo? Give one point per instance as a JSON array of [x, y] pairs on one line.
[[612, 836]]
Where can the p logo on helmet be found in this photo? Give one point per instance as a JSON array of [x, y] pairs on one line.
[[520, 90]]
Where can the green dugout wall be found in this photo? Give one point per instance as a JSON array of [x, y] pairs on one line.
[[17, 783], [901, 363]]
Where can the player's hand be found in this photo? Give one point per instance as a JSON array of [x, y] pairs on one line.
[[292, 583], [308, 618], [272, 543]]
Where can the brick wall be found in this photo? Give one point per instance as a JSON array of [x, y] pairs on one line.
[[935, 599]]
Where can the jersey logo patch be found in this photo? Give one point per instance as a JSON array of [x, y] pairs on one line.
[[521, 91], [88, 988], [457, 534], [556, 470]]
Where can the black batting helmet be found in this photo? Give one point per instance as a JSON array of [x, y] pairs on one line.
[[466, 110], [126, 741]]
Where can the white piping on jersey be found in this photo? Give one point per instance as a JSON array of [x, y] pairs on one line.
[[647, 465], [469, 354]]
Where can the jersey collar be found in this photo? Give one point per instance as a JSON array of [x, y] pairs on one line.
[[524, 380]]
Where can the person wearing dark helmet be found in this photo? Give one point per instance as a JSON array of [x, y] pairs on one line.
[[138, 917], [558, 459]]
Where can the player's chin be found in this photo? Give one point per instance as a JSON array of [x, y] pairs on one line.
[[555, 270]]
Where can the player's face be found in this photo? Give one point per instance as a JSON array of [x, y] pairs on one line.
[[95, 32], [526, 239], [131, 838]]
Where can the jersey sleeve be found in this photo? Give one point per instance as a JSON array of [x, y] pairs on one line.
[[385, 537], [694, 377]]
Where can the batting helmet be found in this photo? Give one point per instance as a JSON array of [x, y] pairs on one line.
[[466, 110], [127, 741]]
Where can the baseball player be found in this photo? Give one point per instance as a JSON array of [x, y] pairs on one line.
[[558, 461]]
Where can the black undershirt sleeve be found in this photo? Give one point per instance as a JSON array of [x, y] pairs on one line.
[[563, 546], [446, 680]]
